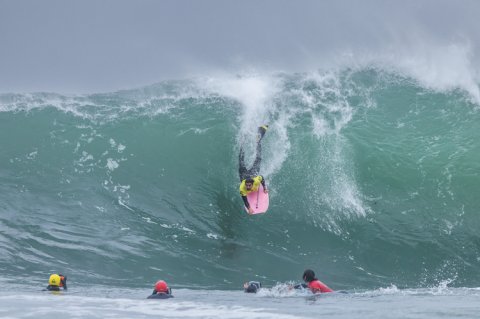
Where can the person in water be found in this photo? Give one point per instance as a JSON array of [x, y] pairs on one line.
[[57, 281], [315, 285], [251, 286], [250, 179], [161, 291]]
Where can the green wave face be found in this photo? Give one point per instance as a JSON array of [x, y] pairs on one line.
[[373, 180]]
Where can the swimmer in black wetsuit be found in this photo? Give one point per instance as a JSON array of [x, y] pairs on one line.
[[161, 291], [249, 178], [252, 286], [57, 281]]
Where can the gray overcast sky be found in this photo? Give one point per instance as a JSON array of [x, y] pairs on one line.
[[94, 45]]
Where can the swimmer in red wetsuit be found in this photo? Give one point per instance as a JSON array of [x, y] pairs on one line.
[[315, 285]]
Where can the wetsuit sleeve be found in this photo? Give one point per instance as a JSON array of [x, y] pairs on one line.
[[245, 201], [300, 286], [63, 280], [263, 182]]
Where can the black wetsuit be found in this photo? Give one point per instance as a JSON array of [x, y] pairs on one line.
[[245, 173], [57, 288], [160, 295], [301, 286], [252, 287]]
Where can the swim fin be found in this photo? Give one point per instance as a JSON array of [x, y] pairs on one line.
[[261, 132]]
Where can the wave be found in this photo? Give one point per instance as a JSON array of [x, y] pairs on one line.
[[373, 175]]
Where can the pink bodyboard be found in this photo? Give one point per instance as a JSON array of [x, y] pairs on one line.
[[258, 201]]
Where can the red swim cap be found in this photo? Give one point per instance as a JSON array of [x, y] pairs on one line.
[[161, 286]]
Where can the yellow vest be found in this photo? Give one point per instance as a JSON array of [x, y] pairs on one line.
[[257, 180]]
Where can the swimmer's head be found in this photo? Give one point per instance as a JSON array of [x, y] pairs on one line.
[[161, 286], [54, 280], [252, 286], [308, 275], [249, 183]]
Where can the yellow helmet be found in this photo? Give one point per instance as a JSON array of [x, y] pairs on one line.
[[54, 280]]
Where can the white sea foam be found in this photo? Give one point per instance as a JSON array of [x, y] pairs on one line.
[[112, 164], [441, 67], [255, 97], [212, 236]]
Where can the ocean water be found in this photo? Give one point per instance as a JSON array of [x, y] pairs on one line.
[[373, 176], [276, 302]]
